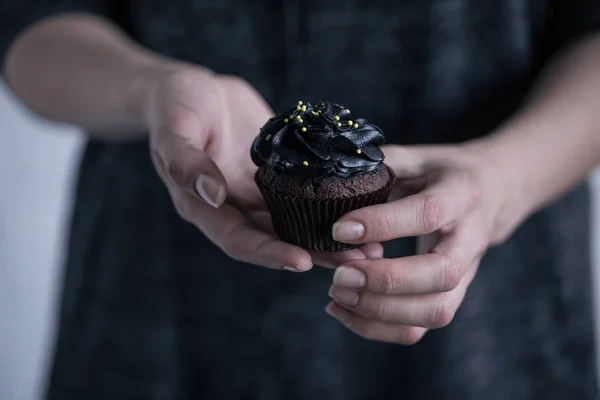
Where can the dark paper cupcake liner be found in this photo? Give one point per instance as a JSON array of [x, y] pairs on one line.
[[308, 223]]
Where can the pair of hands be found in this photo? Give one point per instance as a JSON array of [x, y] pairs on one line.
[[201, 128]]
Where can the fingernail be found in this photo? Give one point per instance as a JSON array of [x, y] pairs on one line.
[[338, 313], [344, 296], [210, 190], [347, 230], [329, 309], [296, 268], [348, 277]]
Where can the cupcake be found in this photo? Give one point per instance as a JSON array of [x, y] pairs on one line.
[[317, 163]]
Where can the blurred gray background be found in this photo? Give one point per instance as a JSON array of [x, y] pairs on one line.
[[37, 165]]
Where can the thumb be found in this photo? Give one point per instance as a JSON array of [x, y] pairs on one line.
[[406, 161], [189, 168]]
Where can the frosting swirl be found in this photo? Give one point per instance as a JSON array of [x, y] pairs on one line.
[[318, 140]]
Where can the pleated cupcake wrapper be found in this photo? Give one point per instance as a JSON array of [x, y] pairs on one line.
[[307, 223]]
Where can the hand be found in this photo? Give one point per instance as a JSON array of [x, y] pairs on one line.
[[201, 129], [454, 201]]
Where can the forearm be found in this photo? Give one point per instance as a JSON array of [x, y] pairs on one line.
[[82, 70], [554, 141]]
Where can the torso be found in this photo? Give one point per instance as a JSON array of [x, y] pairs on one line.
[[153, 309]]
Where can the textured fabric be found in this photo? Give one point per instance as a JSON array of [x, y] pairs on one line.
[[152, 310]]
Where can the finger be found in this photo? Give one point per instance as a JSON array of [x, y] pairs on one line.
[[465, 243], [407, 162], [228, 228], [415, 215], [439, 271], [430, 311], [332, 260], [375, 330], [372, 250], [262, 221], [189, 168], [335, 259], [427, 311], [428, 273]]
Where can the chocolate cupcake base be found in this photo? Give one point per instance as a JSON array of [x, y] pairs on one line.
[[307, 221]]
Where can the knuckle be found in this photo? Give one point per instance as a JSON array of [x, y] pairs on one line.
[[450, 274], [409, 335], [468, 184], [386, 224], [379, 309], [181, 119], [440, 314], [178, 172], [431, 213], [389, 282]]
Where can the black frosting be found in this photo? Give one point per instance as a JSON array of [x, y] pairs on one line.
[[317, 141]]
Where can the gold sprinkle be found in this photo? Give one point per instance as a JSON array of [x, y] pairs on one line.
[[355, 126], [269, 137], [300, 102], [348, 111], [299, 118], [286, 120], [337, 117], [298, 107], [358, 151], [303, 108], [315, 113], [305, 163], [350, 122], [339, 124], [303, 129]]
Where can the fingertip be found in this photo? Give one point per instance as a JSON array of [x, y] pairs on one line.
[[346, 230], [411, 335], [335, 259], [333, 310], [299, 259], [297, 268], [210, 190], [328, 309], [372, 250], [339, 313]]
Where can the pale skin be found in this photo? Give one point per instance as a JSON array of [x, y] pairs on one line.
[[458, 199]]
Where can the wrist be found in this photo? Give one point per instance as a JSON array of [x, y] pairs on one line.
[[143, 92], [503, 170], [152, 85]]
